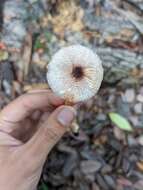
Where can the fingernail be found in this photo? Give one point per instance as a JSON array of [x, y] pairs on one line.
[[66, 116]]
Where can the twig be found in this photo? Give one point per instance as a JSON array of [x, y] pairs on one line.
[[130, 16], [26, 54]]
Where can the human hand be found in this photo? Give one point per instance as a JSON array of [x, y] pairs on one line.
[[29, 128]]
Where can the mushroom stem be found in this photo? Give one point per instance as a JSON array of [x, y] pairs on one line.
[[74, 128]]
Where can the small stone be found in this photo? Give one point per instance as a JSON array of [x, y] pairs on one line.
[[139, 185], [123, 107], [111, 99], [141, 120], [134, 120], [140, 140], [110, 181], [101, 117], [124, 182], [138, 108], [140, 98], [119, 134], [129, 95], [115, 144], [126, 165], [141, 90], [37, 59], [95, 186], [120, 187], [106, 169], [137, 174], [131, 141], [102, 182], [33, 1], [133, 158], [19, 30], [90, 166], [90, 177], [7, 87]]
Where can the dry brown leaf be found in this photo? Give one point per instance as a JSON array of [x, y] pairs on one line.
[[26, 54], [74, 127], [41, 86], [17, 88], [125, 32], [100, 140], [69, 17], [2, 45], [140, 165], [137, 73]]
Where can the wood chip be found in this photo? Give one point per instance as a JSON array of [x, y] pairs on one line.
[[41, 86], [140, 165], [26, 54]]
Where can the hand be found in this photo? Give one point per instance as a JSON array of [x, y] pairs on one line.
[[29, 128]]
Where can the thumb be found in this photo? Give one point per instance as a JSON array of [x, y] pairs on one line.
[[49, 133]]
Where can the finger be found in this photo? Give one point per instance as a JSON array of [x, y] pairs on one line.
[[48, 135], [24, 106], [44, 117], [7, 140], [28, 128], [36, 115]]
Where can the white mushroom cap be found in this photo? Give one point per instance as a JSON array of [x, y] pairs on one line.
[[75, 73]]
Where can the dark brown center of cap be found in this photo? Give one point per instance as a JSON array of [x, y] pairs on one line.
[[77, 72]]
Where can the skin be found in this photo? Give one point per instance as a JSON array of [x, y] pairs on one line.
[[29, 128]]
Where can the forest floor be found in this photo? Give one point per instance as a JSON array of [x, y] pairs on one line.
[[102, 156]]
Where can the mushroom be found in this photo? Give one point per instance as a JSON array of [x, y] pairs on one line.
[[75, 73]]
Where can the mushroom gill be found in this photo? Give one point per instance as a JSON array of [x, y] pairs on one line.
[[75, 73]]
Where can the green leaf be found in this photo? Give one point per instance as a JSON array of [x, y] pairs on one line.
[[120, 121], [3, 55], [39, 45], [48, 36], [43, 186]]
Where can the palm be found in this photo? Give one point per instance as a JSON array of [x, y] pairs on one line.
[[25, 125], [25, 129]]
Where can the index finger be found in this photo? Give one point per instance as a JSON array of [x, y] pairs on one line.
[[24, 105]]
